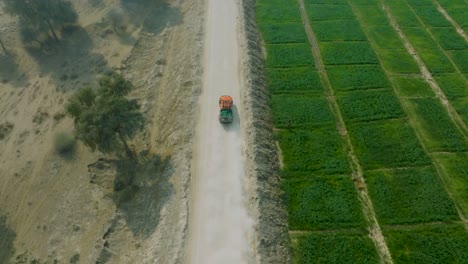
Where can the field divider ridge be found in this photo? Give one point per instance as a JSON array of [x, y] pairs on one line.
[[375, 231], [457, 120], [451, 20]]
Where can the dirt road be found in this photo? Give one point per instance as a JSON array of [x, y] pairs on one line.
[[220, 228]]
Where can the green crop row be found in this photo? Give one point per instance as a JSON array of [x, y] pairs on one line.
[[294, 111], [336, 247], [278, 14], [322, 202], [283, 33], [329, 12], [437, 130], [338, 30], [371, 15], [409, 196], [453, 85], [336, 53], [319, 150], [357, 77], [289, 55], [387, 144], [448, 38], [454, 170], [293, 80], [431, 16], [428, 244], [369, 105]]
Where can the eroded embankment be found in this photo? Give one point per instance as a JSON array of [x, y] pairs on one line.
[[262, 163]]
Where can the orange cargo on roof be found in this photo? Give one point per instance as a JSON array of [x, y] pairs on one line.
[[225, 102]]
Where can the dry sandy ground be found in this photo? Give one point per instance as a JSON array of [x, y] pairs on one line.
[[50, 207], [221, 231]]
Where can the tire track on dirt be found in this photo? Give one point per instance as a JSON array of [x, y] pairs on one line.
[[375, 231], [457, 120]]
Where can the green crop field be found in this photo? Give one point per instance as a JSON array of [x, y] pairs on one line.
[[409, 196], [329, 12], [307, 111], [455, 173], [338, 30], [428, 244], [448, 38], [318, 150], [336, 247], [320, 202], [413, 87], [354, 52], [372, 111], [355, 77], [283, 33], [289, 55], [387, 144], [293, 80], [437, 130], [369, 105]]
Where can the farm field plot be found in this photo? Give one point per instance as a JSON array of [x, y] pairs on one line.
[[387, 144], [318, 202], [409, 196], [455, 173], [296, 80], [319, 150], [428, 244], [437, 130], [307, 111], [283, 33], [336, 247], [371, 106]]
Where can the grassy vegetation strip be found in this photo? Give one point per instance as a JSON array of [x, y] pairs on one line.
[[409, 196], [288, 55], [336, 247], [369, 105], [425, 72], [454, 171], [437, 130], [357, 77], [294, 80], [375, 232], [320, 150], [428, 244], [387, 144], [347, 52], [319, 202]]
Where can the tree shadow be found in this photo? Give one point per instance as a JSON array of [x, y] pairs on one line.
[[140, 203], [70, 63], [10, 71], [153, 15], [7, 236]]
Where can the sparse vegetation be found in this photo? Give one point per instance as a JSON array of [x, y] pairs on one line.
[[75, 258], [39, 117], [5, 129]]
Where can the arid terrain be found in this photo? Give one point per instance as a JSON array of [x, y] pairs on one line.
[[64, 208]]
